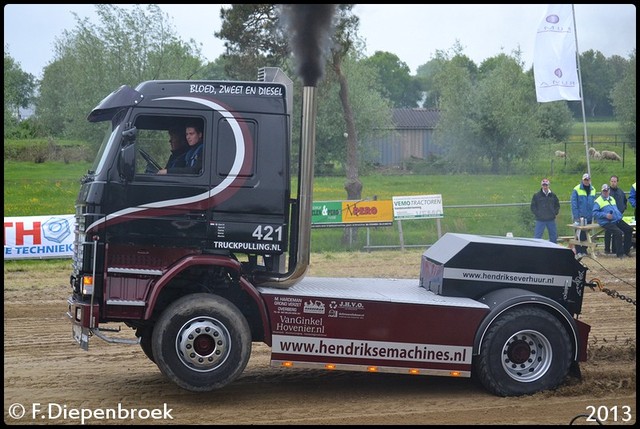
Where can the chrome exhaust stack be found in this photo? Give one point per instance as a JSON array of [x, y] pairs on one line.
[[310, 28], [299, 262]]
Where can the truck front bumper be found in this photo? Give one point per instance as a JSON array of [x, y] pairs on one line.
[[83, 319]]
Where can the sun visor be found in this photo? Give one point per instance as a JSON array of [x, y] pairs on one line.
[[121, 98]]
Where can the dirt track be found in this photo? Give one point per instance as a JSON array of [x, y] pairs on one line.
[[44, 369]]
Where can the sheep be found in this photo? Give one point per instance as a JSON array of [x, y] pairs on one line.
[[594, 154], [560, 154], [609, 154]]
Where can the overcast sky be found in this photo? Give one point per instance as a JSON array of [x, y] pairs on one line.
[[412, 32]]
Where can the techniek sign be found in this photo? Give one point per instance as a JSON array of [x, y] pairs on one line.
[[41, 237]]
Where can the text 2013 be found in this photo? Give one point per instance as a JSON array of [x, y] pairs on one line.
[[603, 413]]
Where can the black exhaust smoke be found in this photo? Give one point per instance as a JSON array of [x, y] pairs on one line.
[[310, 28]]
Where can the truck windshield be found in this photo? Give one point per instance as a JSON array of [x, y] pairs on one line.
[[110, 138]]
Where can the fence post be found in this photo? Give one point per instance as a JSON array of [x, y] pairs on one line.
[[400, 234]]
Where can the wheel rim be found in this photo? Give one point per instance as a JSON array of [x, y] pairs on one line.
[[526, 356], [203, 344]]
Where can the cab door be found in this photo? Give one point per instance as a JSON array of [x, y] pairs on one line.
[[162, 210]]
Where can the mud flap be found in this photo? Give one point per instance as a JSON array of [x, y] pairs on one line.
[[81, 336], [574, 370]]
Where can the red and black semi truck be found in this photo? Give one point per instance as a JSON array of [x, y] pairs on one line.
[[202, 265]]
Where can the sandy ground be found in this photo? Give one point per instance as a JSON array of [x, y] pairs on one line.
[[48, 379]]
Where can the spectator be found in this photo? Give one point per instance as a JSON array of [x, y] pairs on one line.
[[621, 202], [606, 212], [632, 201], [632, 198], [193, 157], [582, 199], [179, 148], [545, 206]]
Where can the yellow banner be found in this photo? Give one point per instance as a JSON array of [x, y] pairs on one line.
[[367, 211]]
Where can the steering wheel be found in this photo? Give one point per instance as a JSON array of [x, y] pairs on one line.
[[152, 165]]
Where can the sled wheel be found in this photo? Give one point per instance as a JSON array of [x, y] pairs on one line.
[[524, 351]]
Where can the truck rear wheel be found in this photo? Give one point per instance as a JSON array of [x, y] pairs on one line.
[[524, 351], [201, 342]]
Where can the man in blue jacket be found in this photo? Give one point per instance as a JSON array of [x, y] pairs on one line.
[[582, 198], [606, 213]]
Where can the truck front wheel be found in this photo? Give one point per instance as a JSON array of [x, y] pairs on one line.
[[145, 342], [524, 351], [201, 342]]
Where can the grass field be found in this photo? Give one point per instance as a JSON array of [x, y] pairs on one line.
[[50, 188]]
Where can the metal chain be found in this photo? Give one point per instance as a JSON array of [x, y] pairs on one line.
[[611, 292], [614, 294]]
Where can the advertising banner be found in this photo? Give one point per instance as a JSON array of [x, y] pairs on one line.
[[418, 207], [351, 213], [38, 237]]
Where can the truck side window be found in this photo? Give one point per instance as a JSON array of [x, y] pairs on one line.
[[226, 151], [163, 148]]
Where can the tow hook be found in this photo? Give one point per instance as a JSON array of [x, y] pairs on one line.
[[593, 284]]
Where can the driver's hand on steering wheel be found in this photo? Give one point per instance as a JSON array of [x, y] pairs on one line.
[[163, 171]]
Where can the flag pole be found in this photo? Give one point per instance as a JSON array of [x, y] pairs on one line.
[[584, 117]]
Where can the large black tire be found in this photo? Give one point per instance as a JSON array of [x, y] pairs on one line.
[[145, 335], [201, 342], [524, 351]]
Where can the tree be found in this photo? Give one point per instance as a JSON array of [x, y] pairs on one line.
[[490, 120], [19, 89], [425, 75], [373, 114], [216, 70], [344, 39], [430, 75], [394, 77], [555, 120], [597, 77], [623, 98], [254, 39], [92, 60], [454, 84]]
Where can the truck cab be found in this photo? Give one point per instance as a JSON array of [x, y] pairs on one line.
[[143, 238]]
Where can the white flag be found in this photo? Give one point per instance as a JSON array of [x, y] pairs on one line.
[[555, 68]]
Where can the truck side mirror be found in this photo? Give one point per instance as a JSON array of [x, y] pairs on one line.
[[127, 162], [130, 134]]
